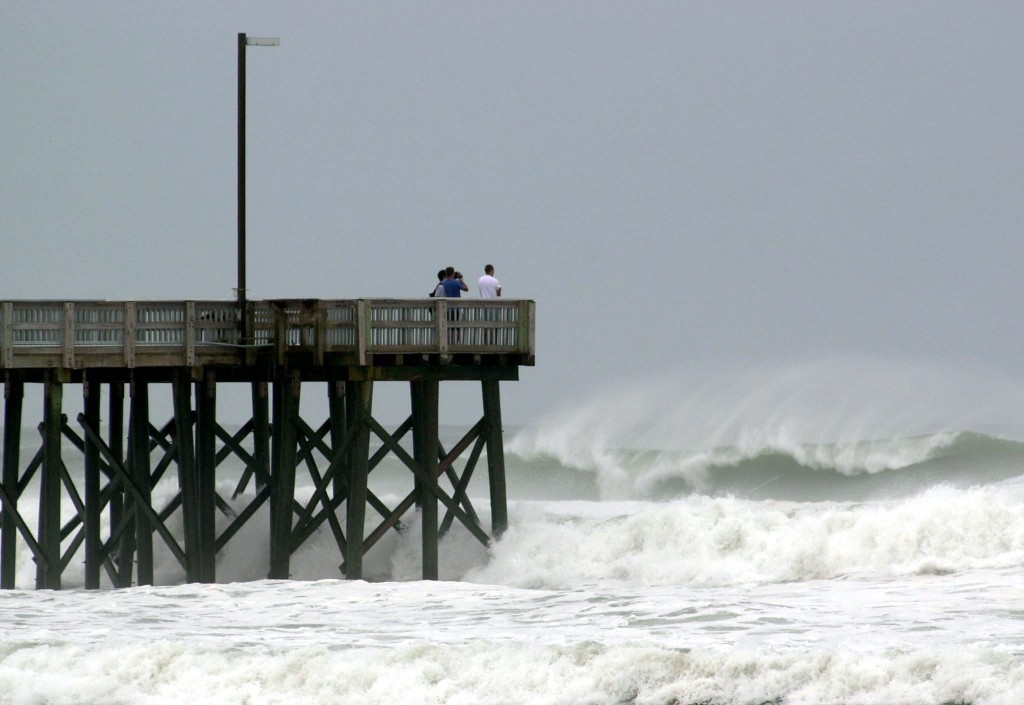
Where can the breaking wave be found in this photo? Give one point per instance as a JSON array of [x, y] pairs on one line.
[[705, 541]]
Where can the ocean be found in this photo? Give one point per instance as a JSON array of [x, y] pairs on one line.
[[781, 563]]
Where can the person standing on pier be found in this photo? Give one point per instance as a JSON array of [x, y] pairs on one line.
[[438, 292], [453, 284], [453, 288], [490, 288]]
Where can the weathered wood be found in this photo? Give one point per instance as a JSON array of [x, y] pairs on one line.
[[417, 470], [14, 392], [261, 433], [425, 426], [308, 523], [7, 335], [145, 334], [239, 521], [321, 493], [206, 474], [447, 461], [187, 477], [48, 576], [26, 533], [462, 485], [495, 457], [348, 344], [359, 407], [157, 520], [282, 497], [336, 411], [140, 436], [122, 504], [93, 506], [391, 520]]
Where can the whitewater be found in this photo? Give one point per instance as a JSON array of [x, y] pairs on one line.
[[759, 539]]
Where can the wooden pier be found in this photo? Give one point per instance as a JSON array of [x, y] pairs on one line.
[[110, 352]]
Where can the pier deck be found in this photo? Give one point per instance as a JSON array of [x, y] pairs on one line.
[[107, 519]]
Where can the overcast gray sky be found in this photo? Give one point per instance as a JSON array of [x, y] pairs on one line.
[[679, 186]]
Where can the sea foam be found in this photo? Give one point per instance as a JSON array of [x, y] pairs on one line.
[[486, 673], [725, 541]]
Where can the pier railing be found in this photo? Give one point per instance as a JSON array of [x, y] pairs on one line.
[[82, 334]]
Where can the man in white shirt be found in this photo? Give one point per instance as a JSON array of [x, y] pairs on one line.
[[490, 288]]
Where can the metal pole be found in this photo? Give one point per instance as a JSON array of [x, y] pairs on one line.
[[243, 323]]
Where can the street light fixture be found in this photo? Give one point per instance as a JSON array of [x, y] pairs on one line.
[[243, 42]]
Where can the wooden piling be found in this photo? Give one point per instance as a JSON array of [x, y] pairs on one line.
[[339, 426], [206, 475], [122, 504], [261, 432], [424, 395], [495, 457], [14, 392], [282, 497], [187, 479], [140, 471], [359, 406], [48, 572], [91, 393]]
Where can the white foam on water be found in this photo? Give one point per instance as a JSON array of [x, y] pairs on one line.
[[488, 672], [725, 541]]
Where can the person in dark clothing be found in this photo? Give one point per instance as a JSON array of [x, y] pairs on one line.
[[438, 291]]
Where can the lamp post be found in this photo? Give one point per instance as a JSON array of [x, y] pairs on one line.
[[243, 42]]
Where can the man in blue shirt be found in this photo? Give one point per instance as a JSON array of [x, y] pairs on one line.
[[453, 284]]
